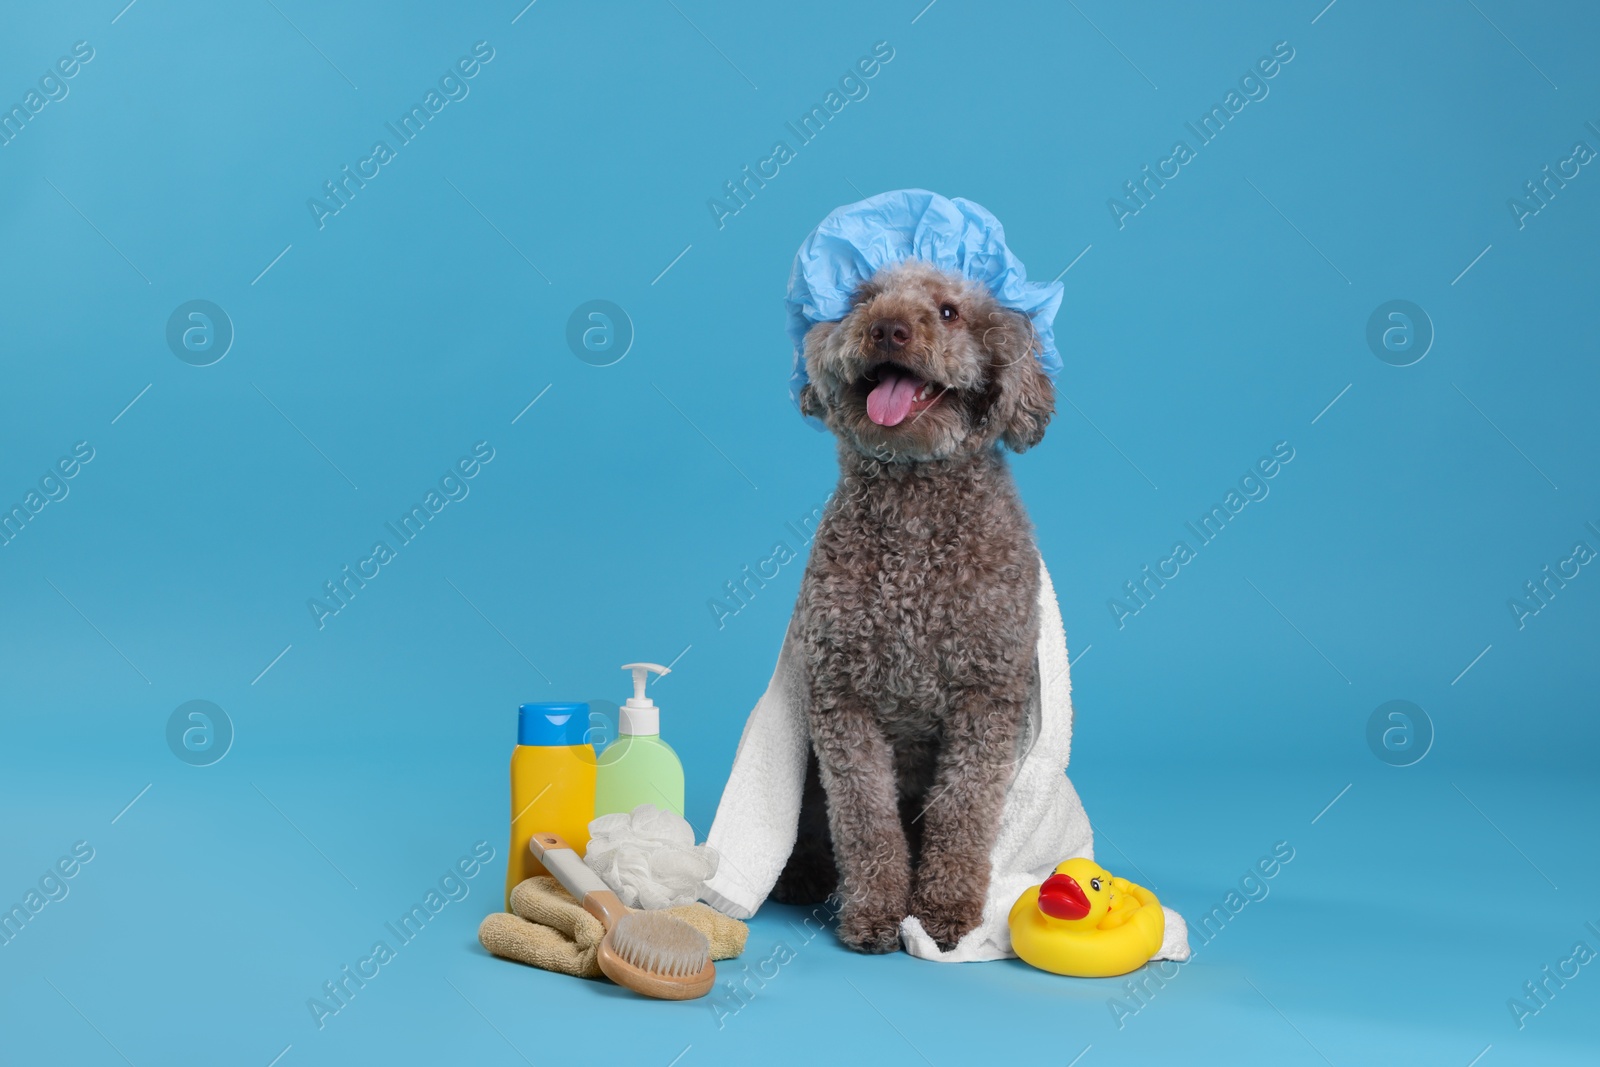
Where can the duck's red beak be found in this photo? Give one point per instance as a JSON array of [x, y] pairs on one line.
[[1061, 897]]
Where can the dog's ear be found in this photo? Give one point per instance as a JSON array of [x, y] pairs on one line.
[[1020, 398], [813, 400]]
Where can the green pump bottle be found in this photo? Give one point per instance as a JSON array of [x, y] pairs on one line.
[[638, 767]]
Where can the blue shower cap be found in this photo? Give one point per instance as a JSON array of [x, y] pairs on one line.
[[856, 240]]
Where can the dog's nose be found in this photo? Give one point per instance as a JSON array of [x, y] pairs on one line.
[[890, 335]]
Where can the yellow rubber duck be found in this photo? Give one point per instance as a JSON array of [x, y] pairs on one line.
[[1086, 923]]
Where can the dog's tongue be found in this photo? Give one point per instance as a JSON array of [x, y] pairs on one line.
[[890, 400]]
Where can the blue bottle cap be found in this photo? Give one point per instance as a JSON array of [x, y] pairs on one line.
[[553, 724]]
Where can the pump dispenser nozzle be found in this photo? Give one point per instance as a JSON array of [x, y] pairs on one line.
[[640, 714]]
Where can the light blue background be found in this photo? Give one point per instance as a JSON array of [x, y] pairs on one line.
[[425, 316]]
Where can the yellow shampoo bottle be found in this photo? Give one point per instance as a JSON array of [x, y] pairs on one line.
[[552, 783]]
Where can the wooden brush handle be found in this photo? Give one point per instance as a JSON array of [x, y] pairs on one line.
[[576, 878]]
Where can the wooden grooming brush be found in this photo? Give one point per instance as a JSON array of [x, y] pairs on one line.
[[648, 952]]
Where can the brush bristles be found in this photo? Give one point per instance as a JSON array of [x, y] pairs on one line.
[[661, 944]]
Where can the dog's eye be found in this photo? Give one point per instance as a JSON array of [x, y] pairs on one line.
[[948, 312], [1094, 883]]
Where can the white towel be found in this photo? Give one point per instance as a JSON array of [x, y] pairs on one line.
[[1043, 822]]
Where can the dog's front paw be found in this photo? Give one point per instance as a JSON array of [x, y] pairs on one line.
[[947, 912], [869, 929]]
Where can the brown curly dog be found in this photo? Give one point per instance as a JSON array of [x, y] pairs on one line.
[[918, 612]]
